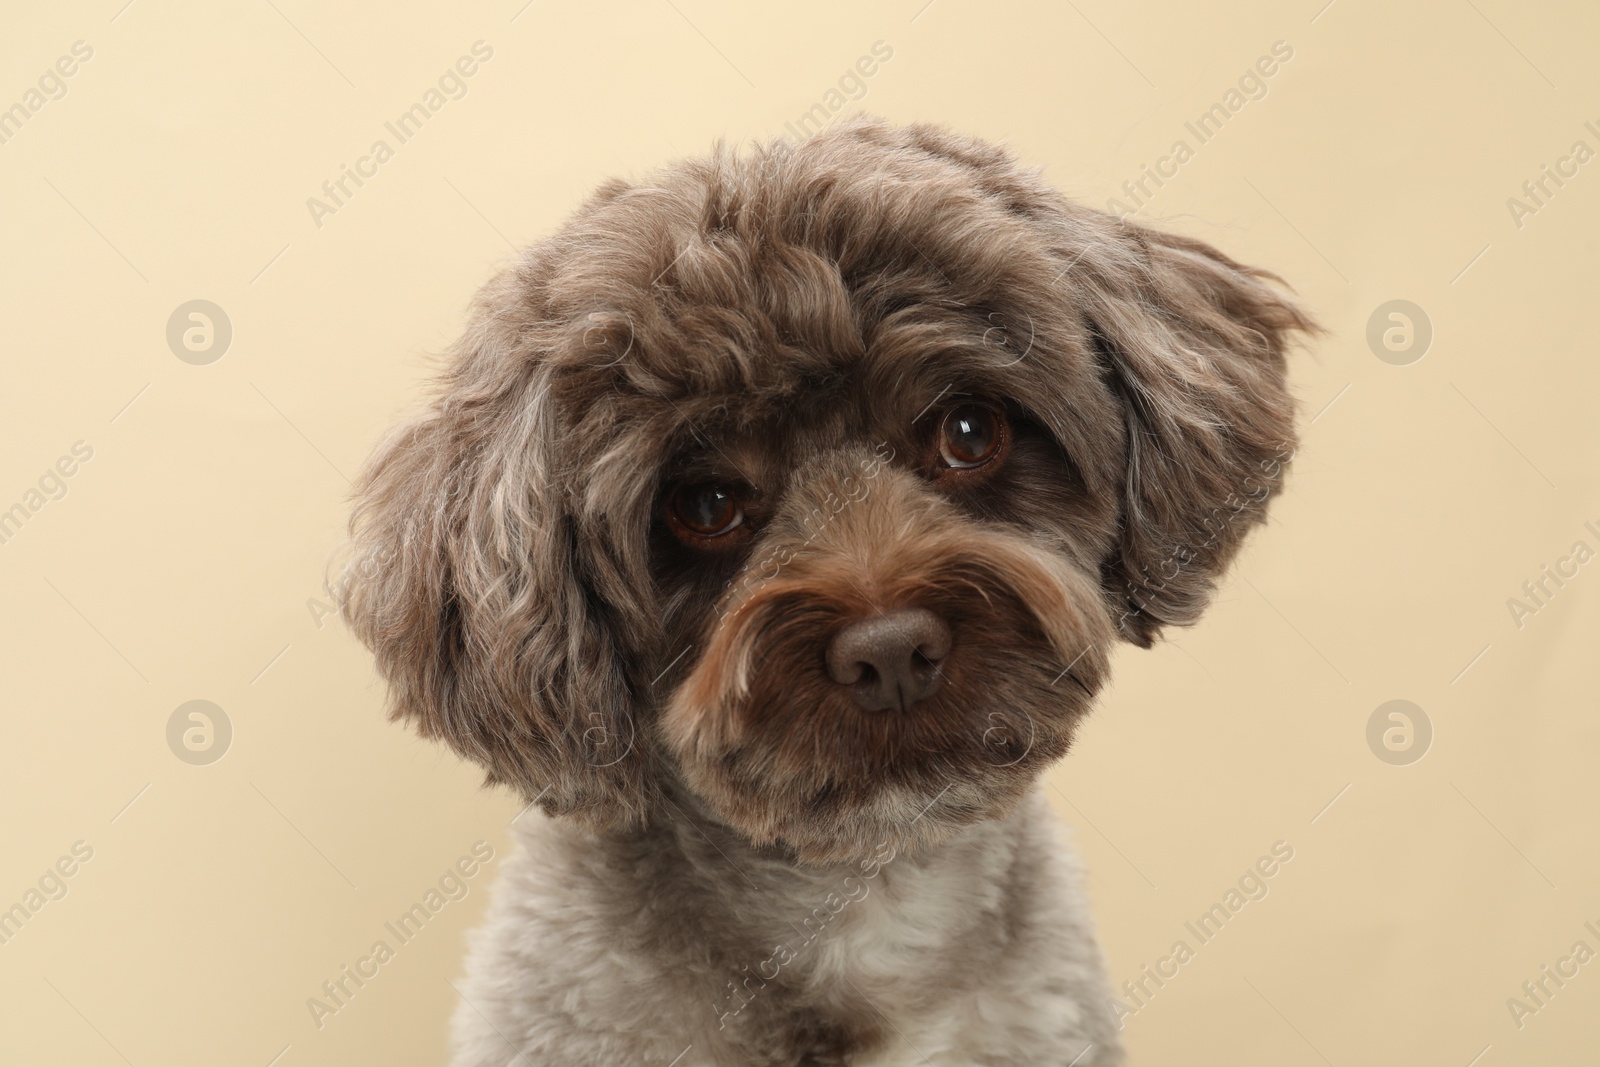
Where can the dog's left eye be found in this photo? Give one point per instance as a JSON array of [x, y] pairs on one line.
[[705, 510], [970, 436]]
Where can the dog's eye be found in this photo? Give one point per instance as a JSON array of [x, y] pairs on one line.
[[971, 436], [706, 509]]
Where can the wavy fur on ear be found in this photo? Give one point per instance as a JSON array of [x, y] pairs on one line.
[[484, 608], [1194, 345]]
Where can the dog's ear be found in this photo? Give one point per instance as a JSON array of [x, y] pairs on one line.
[[467, 579], [1193, 344]]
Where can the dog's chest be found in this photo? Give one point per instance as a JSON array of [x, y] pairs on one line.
[[890, 963], [974, 953]]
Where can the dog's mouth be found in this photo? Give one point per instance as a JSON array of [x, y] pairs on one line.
[[834, 715]]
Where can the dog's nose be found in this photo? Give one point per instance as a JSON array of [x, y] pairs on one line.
[[890, 660]]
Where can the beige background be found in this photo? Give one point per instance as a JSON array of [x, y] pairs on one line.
[[185, 560]]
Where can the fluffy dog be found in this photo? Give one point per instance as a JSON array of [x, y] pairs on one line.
[[770, 530]]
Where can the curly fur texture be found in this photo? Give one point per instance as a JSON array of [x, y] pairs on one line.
[[795, 320]]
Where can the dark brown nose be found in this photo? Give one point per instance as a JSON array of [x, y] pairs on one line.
[[890, 660]]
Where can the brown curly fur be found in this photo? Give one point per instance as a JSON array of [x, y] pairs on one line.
[[789, 317]]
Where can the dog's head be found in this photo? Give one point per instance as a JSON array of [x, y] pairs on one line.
[[820, 482]]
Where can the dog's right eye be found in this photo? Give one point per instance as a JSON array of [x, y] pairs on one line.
[[971, 440], [704, 510]]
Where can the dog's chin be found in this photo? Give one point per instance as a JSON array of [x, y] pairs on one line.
[[887, 822], [807, 771], [870, 786]]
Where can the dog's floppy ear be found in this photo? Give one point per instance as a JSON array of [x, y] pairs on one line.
[[1194, 346], [466, 580]]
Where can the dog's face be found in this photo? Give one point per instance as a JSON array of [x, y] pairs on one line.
[[821, 483]]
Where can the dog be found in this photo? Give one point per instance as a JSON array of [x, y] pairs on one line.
[[769, 531]]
